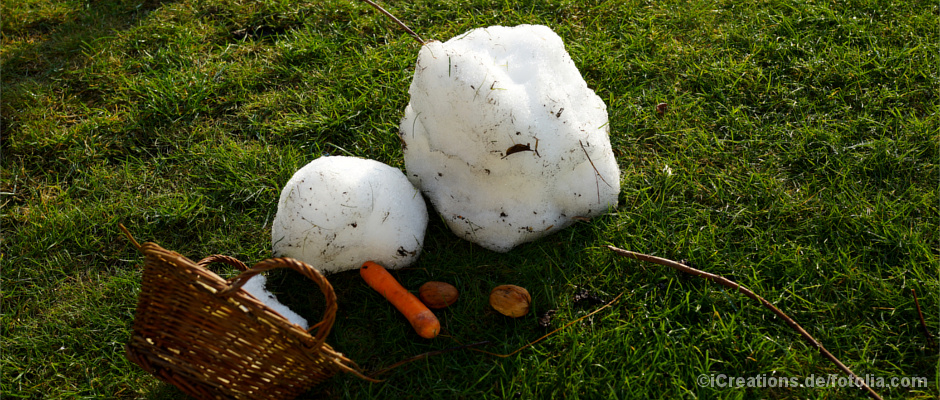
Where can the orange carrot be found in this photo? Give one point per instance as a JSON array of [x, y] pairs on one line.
[[420, 317]]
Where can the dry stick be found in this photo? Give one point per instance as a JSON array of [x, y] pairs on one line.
[[552, 332], [595, 171], [592, 163], [923, 324], [426, 355], [730, 284], [402, 24]]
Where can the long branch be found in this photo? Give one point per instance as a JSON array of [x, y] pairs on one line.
[[730, 284], [428, 354], [398, 21]]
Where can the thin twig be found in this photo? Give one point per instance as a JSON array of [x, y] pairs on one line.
[[923, 324], [402, 24], [428, 354], [732, 285], [552, 332], [595, 171]]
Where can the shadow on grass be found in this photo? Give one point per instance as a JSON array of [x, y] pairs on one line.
[[46, 51], [165, 391], [55, 41]]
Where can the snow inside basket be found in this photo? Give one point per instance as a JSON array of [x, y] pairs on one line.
[[338, 212], [505, 138]]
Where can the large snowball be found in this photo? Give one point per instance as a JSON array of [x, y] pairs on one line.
[[337, 212], [505, 138]]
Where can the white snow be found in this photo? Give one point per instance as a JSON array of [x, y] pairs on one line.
[[256, 287], [505, 138], [337, 212]]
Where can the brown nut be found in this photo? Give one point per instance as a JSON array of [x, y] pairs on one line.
[[511, 300], [437, 294]]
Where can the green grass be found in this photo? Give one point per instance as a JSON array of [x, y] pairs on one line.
[[798, 157]]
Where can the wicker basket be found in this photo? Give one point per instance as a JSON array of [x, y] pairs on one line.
[[213, 340]]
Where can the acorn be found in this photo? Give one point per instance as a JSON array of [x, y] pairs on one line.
[[511, 300], [437, 294]]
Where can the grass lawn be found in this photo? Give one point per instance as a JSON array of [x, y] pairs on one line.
[[798, 157]]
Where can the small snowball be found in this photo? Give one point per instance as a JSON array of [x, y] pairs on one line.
[[256, 287], [336, 213], [505, 138]]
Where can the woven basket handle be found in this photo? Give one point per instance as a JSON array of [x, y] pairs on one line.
[[329, 315]]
